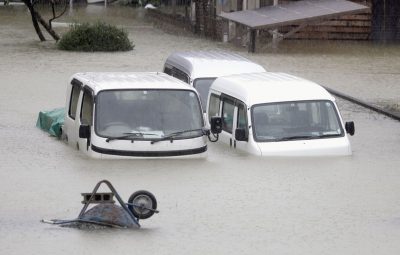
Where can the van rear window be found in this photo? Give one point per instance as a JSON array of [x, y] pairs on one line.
[[203, 86], [180, 75]]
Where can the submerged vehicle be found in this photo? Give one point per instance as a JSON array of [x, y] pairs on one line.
[[276, 114], [201, 68], [133, 115]]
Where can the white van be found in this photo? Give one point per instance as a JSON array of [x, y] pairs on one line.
[[201, 68], [276, 114], [133, 115]]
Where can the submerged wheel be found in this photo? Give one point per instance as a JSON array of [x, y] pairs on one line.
[[142, 201]]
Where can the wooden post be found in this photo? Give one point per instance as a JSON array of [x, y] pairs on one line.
[[275, 34], [197, 17], [252, 40]]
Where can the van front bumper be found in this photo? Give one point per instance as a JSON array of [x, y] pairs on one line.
[[149, 154]]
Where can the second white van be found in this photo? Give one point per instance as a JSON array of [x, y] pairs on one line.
[[276, 114], [200, 68]]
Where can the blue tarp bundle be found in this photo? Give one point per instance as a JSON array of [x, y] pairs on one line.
[[51, 121]]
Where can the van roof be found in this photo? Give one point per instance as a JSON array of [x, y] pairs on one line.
[[129, 80], [202, 64], [269, 87]]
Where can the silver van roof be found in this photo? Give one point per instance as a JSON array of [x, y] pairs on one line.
[[269, 87], [129, 80], [202, 64]]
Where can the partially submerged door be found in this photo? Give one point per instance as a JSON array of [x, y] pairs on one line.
[[69, 128], [234, 115], [85, 118]]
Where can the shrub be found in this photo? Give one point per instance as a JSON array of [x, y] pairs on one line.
[[95, 37]]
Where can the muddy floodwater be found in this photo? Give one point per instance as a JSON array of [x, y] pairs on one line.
[[228, 203]]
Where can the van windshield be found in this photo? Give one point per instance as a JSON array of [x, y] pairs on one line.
[[299, 120], [203, 86], [153, 114]]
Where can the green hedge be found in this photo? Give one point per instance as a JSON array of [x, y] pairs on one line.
[[95, 37]]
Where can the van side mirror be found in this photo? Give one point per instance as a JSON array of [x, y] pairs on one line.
[[240, 134], [84, 131], [216, 125], [350, 129]]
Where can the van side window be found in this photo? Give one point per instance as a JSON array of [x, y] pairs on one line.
[[213, 109], [180, 75], [228, 107], [168, 70], [87, 108], [241, 119], [73, 102]]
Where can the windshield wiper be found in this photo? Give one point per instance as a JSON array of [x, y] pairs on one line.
[[296, 137], [172, 135], [328, 135], [131, 135]]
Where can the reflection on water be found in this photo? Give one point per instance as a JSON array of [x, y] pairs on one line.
[[228, 203]]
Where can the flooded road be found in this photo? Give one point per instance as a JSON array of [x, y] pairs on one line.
[[229, 203]]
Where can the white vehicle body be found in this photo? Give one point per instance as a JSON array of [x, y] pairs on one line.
[[201, 68], [133, 115], [277, 114]]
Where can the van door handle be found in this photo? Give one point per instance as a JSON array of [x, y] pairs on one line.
[[230, 142]]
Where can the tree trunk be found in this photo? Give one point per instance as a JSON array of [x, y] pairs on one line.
[[37, 17], [34, 20]]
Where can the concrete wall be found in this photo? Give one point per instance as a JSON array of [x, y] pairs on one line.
[[164, 19]]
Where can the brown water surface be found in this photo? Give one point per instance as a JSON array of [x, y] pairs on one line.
[[229, 203]]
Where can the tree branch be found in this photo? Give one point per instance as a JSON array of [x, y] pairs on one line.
[[34, 20], [47, 27]]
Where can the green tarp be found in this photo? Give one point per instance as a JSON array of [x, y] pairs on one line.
[[51, 121]]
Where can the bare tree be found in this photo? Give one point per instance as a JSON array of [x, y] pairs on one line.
[[58, 8]]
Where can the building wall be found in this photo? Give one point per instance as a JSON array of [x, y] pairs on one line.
[[385, 20], [382, 23], [346, 27]]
